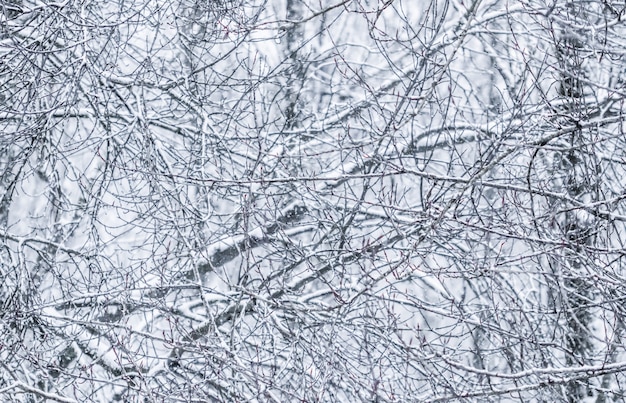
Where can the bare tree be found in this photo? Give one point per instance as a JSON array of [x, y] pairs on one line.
[[283, 200]]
